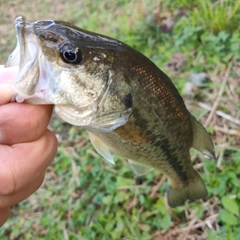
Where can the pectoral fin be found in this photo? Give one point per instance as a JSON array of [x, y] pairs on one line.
[[202, 140], [139, 169], [101, 148]]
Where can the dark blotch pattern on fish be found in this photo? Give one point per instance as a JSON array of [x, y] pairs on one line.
[[168, 152], [127, 100]]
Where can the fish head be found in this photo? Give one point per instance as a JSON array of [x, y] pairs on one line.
[[73, 69]]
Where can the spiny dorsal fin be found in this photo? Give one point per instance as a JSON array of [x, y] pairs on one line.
[[193, 191], [139, 169], [101, 148], [201, 139]]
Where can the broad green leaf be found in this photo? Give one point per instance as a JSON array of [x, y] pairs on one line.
[[230, 204], [121, 181], [228, 217], [166, 221], [107, 200]]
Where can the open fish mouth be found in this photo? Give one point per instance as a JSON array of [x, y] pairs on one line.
[[26, 56]]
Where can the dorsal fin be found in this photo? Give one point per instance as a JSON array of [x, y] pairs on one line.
[[201, 139], [101, 148]]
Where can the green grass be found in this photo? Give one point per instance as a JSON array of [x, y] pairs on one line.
[[83, 197], [210, 15]]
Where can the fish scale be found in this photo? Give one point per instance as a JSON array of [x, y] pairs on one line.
[[127, 104]]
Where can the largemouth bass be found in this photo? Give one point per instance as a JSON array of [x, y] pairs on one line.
[[127, 104]]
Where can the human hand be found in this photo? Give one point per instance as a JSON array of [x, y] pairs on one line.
[[27, 147]]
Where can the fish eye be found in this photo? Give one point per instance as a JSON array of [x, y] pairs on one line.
[[73, 56]]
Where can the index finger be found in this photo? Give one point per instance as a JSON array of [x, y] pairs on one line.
[[23, 163]]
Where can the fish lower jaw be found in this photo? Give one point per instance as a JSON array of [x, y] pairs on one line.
[[38, 97], [19, 98], [33, 99], [73, 116]]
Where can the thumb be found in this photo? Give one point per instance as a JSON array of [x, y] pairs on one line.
[[7, 77], [6, 93]]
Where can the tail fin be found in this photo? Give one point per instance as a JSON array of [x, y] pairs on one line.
[[201, 139], [193, 191]]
